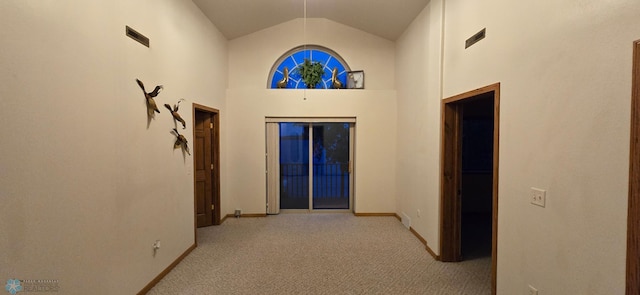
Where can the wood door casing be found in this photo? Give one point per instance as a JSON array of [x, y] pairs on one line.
[[450, 249], [633, 220], [450, 177]]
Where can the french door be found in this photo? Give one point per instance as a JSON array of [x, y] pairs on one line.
[[309, 165]]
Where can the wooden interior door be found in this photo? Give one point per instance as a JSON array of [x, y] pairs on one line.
[[203, 167], [206, 166]]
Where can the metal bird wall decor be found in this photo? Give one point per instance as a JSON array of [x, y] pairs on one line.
[[335, 82], [181, 141], [174, 113], [151, 104], [283, 83]]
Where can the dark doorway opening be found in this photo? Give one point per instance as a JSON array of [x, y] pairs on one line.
[[477, 177]]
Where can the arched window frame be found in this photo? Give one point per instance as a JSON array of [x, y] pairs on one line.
[[295, 82]]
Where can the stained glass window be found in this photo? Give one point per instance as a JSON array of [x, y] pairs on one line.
[[295, 57]]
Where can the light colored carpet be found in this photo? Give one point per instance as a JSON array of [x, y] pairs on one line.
[[319, 254]]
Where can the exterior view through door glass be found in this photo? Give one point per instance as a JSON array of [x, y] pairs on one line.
[[331, 166], [325, 184], [294, 166]]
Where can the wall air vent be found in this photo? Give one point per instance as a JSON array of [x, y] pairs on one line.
[[137, 36], [475, 38]]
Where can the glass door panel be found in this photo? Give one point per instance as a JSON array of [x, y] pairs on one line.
[[331, 165], [294, 166]]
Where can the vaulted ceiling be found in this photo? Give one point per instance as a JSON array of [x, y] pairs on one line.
[[384, 18]]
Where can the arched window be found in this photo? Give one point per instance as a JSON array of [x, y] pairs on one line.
[[292, 60]]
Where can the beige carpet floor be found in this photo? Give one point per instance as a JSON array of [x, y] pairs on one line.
[[319, 254]]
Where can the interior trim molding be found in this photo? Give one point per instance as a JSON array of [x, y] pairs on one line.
[[254, 215], [433, 254], [633, 220], [375, 214], [415, 233], [310, 119], [425, 243], [159, 277], [246, 215]]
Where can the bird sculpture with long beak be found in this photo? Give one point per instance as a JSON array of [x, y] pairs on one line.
[[181, 141], [283, 83], [151, 104], [335, 82], [174, 113]]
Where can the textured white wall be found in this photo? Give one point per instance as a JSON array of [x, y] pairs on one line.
[[252, 56], [86, 186], [249, 102], [418, 55], [565, 70]]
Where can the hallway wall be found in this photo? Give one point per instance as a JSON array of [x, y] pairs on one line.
[[249, 102], [87, 187], [418, 56], [565, 72]]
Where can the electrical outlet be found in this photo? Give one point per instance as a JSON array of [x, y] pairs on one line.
[[418, 213], [538, 197], [532, 290], [156, 245]]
